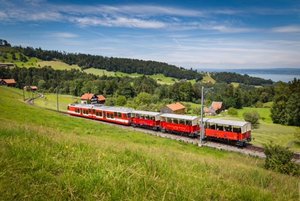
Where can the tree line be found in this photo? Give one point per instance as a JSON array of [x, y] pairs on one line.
[[229, 77], [112, 63], [286, 106], [75, 82]]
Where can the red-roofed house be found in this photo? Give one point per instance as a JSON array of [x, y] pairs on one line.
[[92, 98], [30, 88], [215, 108], [8, 82], [174, 108]]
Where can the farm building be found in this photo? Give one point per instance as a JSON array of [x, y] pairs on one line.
[[215, 108], [8, 82], [7, 65], [174, 108], [92, 98], [30, 88]]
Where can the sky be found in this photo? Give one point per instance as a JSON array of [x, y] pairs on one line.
[[192, 34]]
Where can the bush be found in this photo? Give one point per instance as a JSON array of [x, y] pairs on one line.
[[120, 100], [279, 159], [232, 111], [252, 117]]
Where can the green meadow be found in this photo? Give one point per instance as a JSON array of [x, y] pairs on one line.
[[50, 156]]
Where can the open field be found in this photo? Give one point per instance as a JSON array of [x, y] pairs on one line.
[[268, 131], [58, 65], [50, 156], [208, 79], [50, 101], [160, 78]]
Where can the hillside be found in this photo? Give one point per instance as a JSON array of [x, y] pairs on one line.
[[111, 63], [46, 155], [13, 55]]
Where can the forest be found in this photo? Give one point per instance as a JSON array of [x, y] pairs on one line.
[[75, 82], [112, 64], [124, 65]]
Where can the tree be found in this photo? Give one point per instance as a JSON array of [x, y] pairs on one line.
[[286, 105], [252, 117], [143, 99], [232, 111], [120, 101], [279, 159], [42, 84]]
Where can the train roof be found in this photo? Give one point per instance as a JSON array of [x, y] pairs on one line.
[[86, 106], [179, 116], [145, 112], [114, 109], [228, 122]]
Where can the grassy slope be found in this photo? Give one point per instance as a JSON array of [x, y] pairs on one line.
[[160, 78], [45, 155], [58, 65], [208, 79], [268, 131], [50, 101]]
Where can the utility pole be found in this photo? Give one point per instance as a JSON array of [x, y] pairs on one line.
[[24, 93], [201, 122], [57, 105]]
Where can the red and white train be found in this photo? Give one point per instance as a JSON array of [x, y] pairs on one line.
[[238, 132]]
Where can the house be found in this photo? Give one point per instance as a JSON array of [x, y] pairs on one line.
[[30, 88], [215, 108], [89, 98], [174, 108], [8, 82], [7, 65]]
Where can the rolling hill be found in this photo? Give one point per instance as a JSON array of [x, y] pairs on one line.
[[46, 155]]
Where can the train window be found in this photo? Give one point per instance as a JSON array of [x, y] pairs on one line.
[[237, 130], [128, 115], [212, 126], [227, 128], [189, 123], [181, 121], [115, 114], [152, 118], [175, 121], [119, 115], [218, 127]]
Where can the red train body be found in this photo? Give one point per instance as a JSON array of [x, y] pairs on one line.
[[181, 124], [234, 131]]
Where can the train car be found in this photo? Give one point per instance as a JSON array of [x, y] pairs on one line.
[[82, 110], [145, 119], [180, 124], [119, 115], [235, 131]]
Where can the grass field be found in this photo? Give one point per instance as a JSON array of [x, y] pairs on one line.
[[268, 131], [208, 79], [58, 65], [50, 101], [50, 156], [160, 78]]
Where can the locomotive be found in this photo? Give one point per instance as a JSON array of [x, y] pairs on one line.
[[237, 132]]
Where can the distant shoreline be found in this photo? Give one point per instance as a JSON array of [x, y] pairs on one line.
[[275, 74]]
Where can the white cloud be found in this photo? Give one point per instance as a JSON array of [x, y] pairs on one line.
[[63, 35], [118, 22], [287, 29]]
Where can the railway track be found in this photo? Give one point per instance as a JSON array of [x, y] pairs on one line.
[[250, 149]]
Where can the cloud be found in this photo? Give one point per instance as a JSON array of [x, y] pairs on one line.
[[287, 29], [64, 35], [118, 22]]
